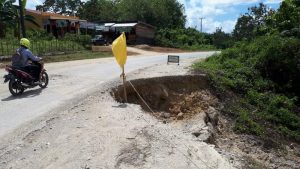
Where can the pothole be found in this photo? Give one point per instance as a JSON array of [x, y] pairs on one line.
[[171, 97]]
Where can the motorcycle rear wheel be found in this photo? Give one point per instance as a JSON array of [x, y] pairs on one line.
[[44, 80], [15, 87]]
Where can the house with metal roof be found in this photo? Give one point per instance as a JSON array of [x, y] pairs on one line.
[[136, 32]]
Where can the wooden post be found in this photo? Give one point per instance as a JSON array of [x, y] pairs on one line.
[[2, 48], [124, 81], [86, 27]]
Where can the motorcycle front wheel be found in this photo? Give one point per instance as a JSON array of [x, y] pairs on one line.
[[44, 80], [15, 87]]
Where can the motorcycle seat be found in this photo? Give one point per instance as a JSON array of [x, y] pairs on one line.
[[17, 68]]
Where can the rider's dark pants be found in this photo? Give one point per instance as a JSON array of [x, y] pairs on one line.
[[33, 70]]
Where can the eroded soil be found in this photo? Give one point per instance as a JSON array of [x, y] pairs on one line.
[[172, 97], [181, 98]]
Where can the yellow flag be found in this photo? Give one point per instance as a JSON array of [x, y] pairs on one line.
[[119, 49]]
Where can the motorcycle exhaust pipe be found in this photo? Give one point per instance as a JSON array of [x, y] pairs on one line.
[[25, 85]]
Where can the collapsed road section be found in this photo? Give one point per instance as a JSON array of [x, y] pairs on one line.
[[174, 98], [181, 100]]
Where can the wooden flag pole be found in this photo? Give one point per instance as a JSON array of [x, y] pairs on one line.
[[124, 81]]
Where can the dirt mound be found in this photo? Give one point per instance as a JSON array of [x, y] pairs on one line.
[[144, 47], [170, 97]]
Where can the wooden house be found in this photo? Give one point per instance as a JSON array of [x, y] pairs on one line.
[[136, 32], [53, 23]]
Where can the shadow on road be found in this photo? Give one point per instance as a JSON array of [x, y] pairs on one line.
[[26, 94]]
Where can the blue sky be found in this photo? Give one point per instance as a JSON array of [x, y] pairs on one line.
[[217, 13]]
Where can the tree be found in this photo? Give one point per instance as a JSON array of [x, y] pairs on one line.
[[10, 17], [66, 7], [7, 15], [244, 28], [181, 38], [221, 40], [288, 15], [160, 13], [73, 6], [254, 23], [98, 10]]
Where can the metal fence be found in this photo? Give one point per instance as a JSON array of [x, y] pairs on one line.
[[41, 47]]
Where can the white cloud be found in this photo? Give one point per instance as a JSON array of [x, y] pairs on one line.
[[226, 2], [213, 10], [210, 25], [38, 2], [33, 3], [273, 1]]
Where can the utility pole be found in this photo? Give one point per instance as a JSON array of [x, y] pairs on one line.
[[201, 23], [22, 19]]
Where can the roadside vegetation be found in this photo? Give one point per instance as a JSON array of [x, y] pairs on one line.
[[40, 47], [43, 43], [186, 39], [262, 71], [77, 56], [166, 15], [80, 55]]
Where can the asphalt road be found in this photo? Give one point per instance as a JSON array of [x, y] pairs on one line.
[[68, 80]]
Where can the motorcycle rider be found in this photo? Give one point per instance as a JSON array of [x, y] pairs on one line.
[[27, 55]]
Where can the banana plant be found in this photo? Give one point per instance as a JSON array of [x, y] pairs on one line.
[[10, 16], [28, 18], [6, 10], [7, 15], [24, 2]]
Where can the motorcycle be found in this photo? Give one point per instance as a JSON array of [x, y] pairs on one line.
[[20, 80]]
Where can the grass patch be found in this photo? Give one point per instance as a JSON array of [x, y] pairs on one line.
[[198, 48], [77, 56], [267, 102], [69, 57]]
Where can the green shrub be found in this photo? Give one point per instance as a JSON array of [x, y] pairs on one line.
[[198, 47], [265, 74], [246, 124], [36, 35], [82, 39], [280, 62], [188, 39]]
